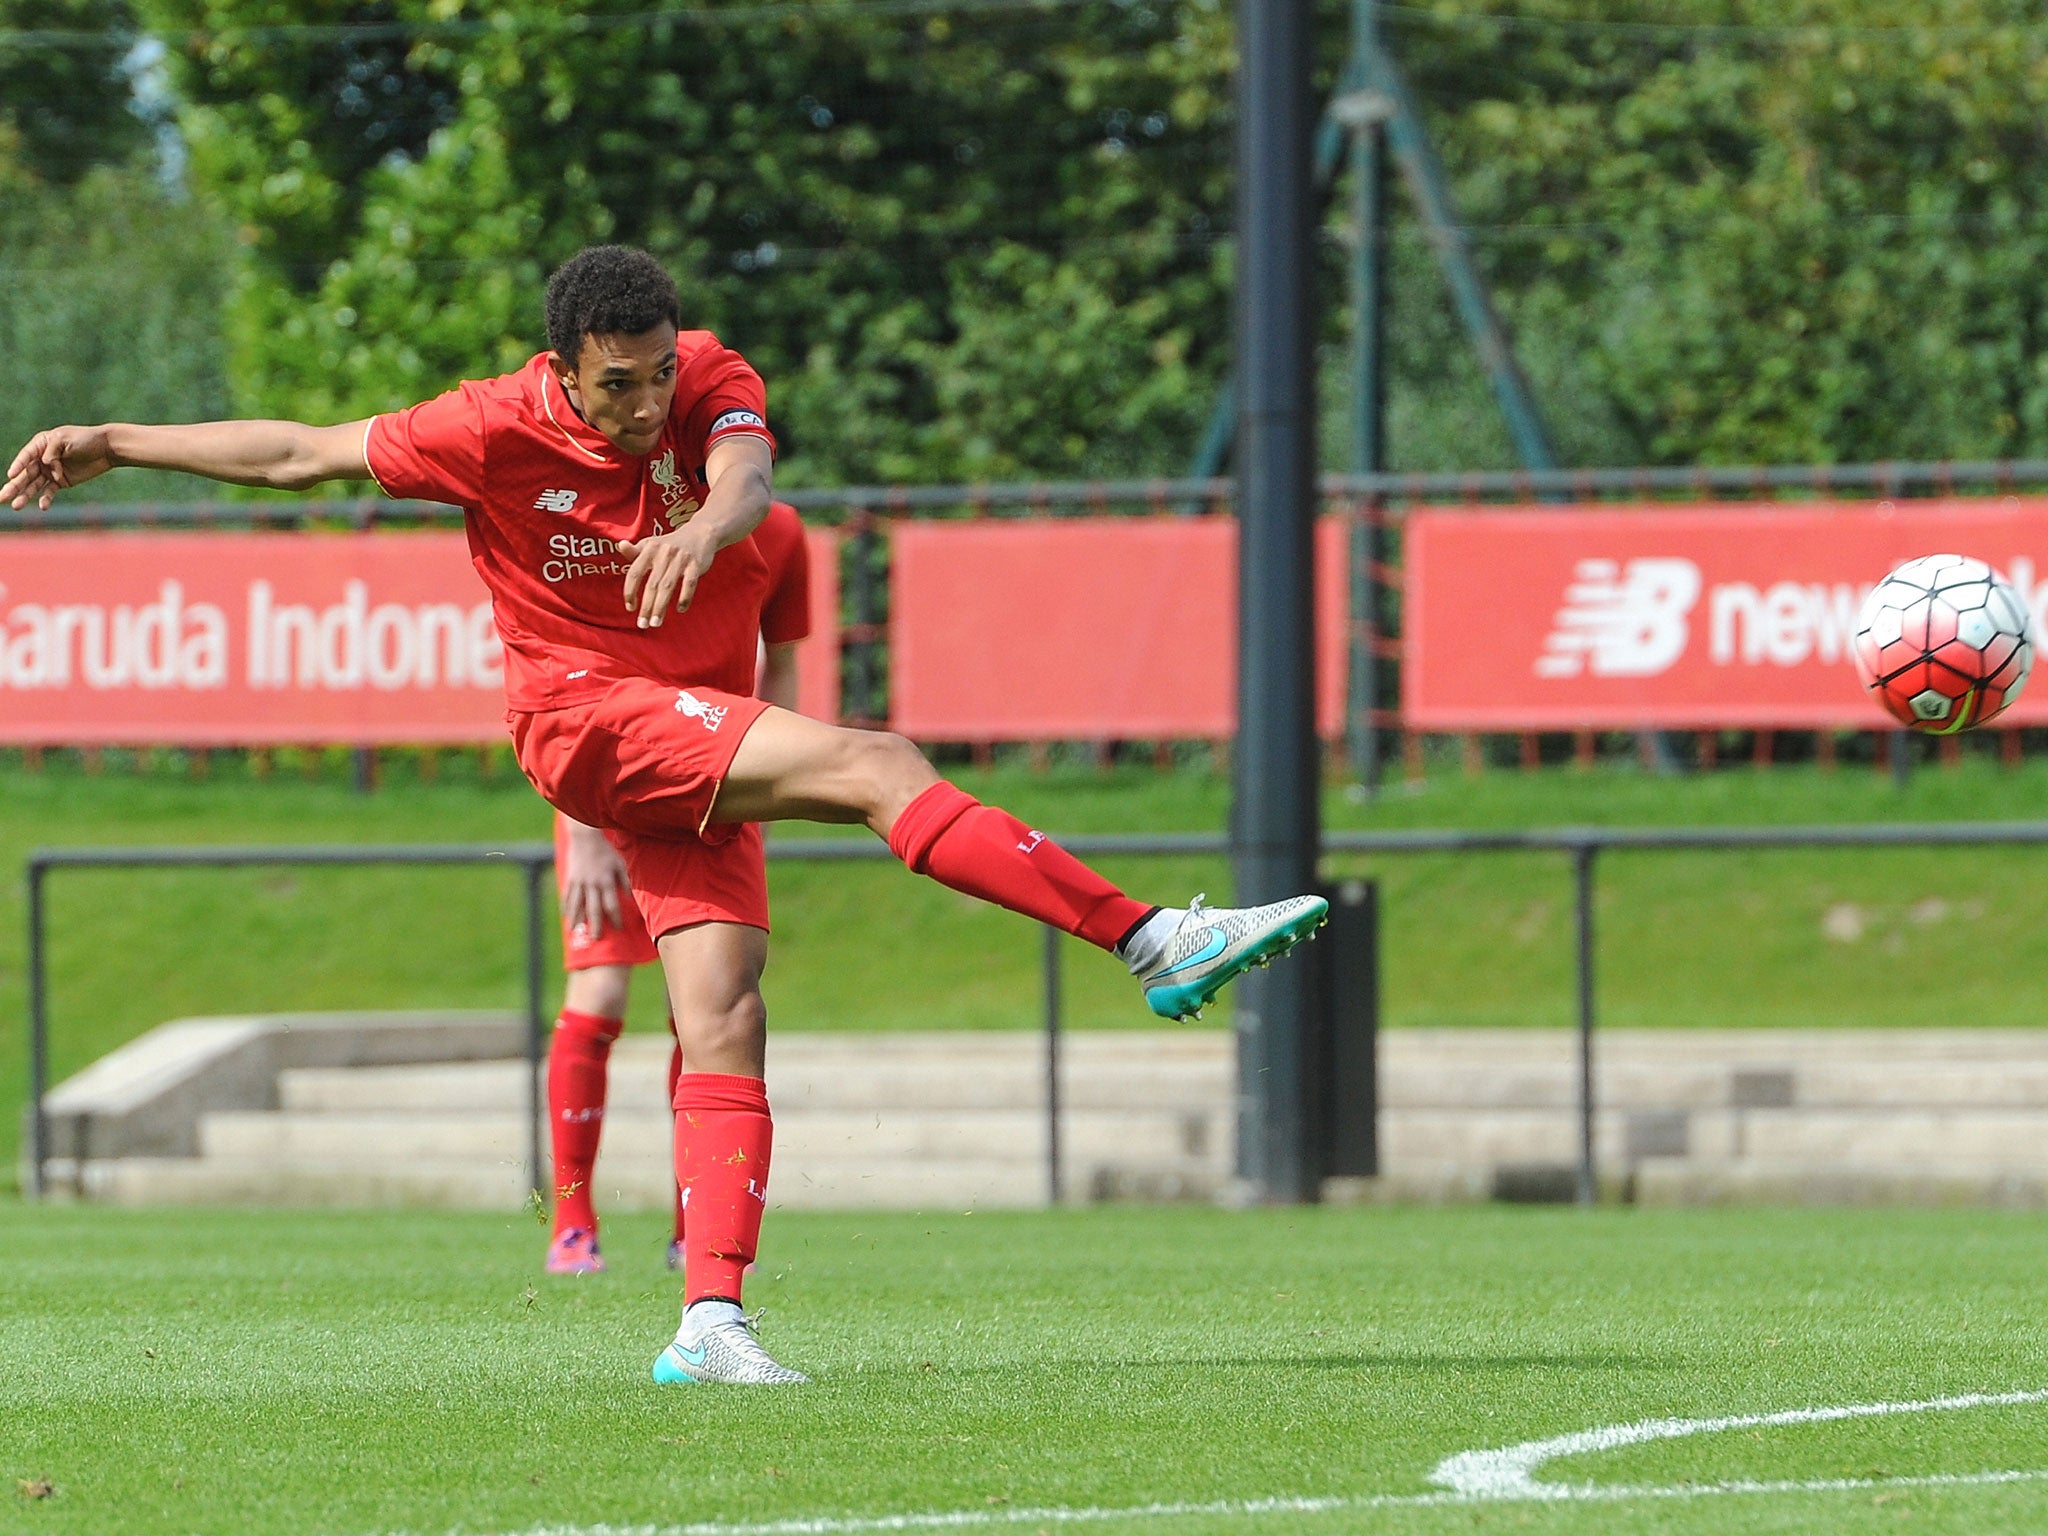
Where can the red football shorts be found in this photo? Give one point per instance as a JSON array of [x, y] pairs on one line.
[[644, 762], [622, 943]]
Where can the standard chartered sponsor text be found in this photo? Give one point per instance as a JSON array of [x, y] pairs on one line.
[[581, 554], [172, 642]]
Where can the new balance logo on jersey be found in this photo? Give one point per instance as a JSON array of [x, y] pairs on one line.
[[554, 501], [687, 703], [1621, 621]]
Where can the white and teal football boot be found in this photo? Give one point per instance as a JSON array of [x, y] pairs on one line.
[[1184, 958], [716, 1343]]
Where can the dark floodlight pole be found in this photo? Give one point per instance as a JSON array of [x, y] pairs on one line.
[[1274, 823]]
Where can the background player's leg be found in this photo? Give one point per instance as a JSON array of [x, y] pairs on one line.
[[579, 1062], [791, 767]]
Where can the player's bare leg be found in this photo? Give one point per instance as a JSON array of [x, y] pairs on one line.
[[579, 1056], [723, 1141], [789, 767]]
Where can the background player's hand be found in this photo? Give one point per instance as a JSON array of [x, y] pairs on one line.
[[54, 461], [594, 882], [665, 571]]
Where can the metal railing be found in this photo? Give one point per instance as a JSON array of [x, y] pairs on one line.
[[533, 859], [1583, 845], [1895, 478]]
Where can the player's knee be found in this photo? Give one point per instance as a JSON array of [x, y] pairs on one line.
[[893, 771], [729, 1036], [598, 989]]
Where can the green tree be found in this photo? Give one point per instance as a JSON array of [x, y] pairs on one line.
[[965, 245], [1761, 234], [111, 304], [64, 93], [995, 242], [111, 309]]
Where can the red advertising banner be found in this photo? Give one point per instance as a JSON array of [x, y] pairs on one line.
[[229, 639], [1619, 617], [1083, 628]]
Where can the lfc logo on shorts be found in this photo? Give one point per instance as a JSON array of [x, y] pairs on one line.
[[713, 715]]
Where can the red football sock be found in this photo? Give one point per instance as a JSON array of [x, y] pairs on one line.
[[984, 851], [579, 1059], [675, 1072], [723, 1138]]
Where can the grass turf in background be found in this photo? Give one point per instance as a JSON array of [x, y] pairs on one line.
[[1687, 939], [199, 1372]]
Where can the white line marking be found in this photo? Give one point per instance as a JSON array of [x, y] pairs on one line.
[[1502, 1476], [1507, 1473], [972, 1519]]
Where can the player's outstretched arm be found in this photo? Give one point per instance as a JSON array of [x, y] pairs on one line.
[[283, 455], [667, 567]]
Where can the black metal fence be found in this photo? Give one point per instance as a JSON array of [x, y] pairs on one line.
[[533, 860], [1583, 845]]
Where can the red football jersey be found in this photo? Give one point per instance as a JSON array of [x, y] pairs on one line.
[[786, 614], [547, 497]]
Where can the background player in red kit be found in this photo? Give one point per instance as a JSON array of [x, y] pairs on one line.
[[611, 488], [603, 937]]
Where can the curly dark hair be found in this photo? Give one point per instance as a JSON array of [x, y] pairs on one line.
[[606, 290]]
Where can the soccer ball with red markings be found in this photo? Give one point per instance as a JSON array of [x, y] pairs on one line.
[[1943, 643]]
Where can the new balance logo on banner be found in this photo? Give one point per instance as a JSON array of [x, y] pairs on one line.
[[1654, 616], [1622, 620]]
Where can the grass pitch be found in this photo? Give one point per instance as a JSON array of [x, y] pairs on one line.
[[1142, 1370]]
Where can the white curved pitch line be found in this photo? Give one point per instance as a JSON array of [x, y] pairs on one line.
[[1507, 1473], [1497, 1476], [1054, 1515]]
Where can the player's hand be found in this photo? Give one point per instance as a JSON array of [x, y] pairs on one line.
[[55, 461], [593, 882], [665, 571]]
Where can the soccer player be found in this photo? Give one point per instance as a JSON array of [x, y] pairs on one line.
[[603, 937], [611, 488]]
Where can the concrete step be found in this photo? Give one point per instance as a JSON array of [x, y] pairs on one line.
[[639, 1081], [1726, 1047], [1478, 1086], [264, 1181], [939, 1120], [800, 1136], [1974, 1137], [1790, 1181], [1957, 1084], [959, 1184]]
